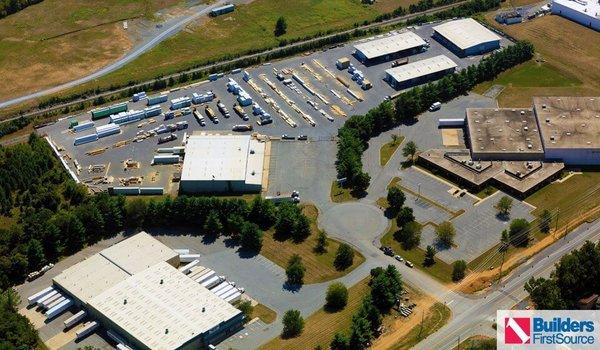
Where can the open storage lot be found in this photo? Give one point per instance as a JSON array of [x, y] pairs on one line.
[[318, 70]]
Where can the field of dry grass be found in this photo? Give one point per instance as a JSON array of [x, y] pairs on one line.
[[569, 49], [32, 57], [319, 267], [320, 327]]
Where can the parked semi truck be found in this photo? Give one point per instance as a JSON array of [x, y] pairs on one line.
[[211, 115], [199, 117], [223, 109], [240, 111]]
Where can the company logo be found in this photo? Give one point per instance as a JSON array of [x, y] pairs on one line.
[[517, 330], [545, 329]]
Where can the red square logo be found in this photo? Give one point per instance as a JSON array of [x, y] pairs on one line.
[[517, 330]]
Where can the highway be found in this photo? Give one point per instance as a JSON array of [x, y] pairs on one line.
[[169, 30], [482, 312]]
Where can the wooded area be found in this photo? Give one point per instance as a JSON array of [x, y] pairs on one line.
[[8, 7]]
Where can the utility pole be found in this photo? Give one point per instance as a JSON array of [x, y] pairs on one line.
[[458, 343], [504, 248]]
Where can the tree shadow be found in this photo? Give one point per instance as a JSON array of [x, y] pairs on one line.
[[505, 217], [231, 242], [390, 213], [294, 288], [209, 238], [358, 193], [407, 164], [247, 253], [331, 309]]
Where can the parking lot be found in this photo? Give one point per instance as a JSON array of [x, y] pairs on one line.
[[477, 230], [318, 70]]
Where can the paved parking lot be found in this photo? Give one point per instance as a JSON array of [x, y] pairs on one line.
[[307, 167], [477, 230], [317, 69]]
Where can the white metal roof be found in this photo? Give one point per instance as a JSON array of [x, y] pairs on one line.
[[421, 68], [112, 265], [466, 33], [223, 158], [138, 253], [390, 44], [90, 277], [162, 308], [589, 8]]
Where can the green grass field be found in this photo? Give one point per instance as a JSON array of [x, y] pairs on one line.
[[571, 197], [30, 62], [440, 270], [250, 27], [319, 267], [341, 194], [321, 326], [569, 52], [387, 150], [264, 313]]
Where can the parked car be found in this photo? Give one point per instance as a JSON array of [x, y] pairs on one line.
[[409, 264], [287, 137], [435, 106], [399, 258], [387, 251], [302, 137]]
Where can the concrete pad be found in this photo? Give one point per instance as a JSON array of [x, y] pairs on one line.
[[450, 137], [36, 318]]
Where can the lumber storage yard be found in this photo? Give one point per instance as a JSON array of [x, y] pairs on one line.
[[309, 96]]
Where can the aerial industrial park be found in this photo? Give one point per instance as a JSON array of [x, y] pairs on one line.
[[333, 174]]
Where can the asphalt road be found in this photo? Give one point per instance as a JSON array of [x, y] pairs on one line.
[[169, 30], [482, 312]]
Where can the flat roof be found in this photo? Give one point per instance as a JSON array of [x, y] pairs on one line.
[[569, 122], [421, 68], [163, 308], [138, 253], [223, 158], [112, 265], [520, 176], [89, 278], [465, 33], [390, 44], [590, 8], [503, 130]]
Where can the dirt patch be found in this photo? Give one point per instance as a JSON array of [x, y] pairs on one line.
[[450, 137], [398, 326], [36, 318]]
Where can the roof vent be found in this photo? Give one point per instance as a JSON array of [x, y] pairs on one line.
[[124, 301], [544, 105], [251, 151], [547, 120], [568, 134], [166, 330], [161, 281], [522, 112], [203, 309]]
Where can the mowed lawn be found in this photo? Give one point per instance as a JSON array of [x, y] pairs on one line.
[[569, 54], [388, 149], [31, 59], [249, 27], [440, 270], [321, 326], [572, 197], [319, 267]]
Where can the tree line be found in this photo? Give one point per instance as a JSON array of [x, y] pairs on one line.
[[8, 7], [576, 276], [386, 286], [353, 137], [159, 83]]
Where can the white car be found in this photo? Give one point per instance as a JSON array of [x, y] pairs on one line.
[[399, 258]]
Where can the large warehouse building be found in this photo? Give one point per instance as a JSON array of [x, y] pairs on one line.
[[569, 128], [419, 72], [584, 12], [389, 47], [466, 37], [134, 289], [222, 163], [503, 134]]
